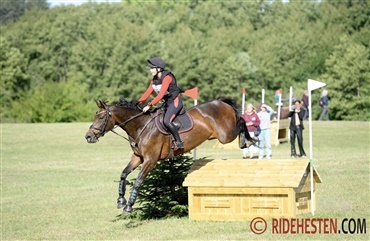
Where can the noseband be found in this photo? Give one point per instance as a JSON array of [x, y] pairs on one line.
[[101, 129]]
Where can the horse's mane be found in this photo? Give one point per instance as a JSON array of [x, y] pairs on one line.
[[133, 104]]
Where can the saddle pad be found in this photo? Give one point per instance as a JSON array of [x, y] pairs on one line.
[[182, 122]]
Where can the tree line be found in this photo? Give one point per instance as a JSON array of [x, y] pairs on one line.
[[56, 61]]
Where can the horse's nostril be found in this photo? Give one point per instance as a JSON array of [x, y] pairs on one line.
[[88, 137]]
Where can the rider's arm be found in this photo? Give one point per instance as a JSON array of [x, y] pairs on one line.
[[147, 93], [165, 84]]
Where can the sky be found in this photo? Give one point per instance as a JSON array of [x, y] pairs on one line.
[[54, 3]]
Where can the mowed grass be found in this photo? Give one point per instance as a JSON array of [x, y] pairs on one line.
[[55, 186]]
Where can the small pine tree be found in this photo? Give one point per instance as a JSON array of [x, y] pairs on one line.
[[162, 195]]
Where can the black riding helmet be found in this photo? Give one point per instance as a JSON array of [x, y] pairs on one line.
[[156, 62]]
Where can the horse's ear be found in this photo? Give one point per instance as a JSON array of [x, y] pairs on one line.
[[101, 104]]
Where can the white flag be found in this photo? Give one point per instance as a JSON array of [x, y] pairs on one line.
[[314, 84]]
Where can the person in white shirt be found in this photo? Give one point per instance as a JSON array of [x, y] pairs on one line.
[[265, 135]]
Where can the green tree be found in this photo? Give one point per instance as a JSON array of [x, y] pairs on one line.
[[13, 72], [218, 47], [348, 81], [53, 102], [10, 11]]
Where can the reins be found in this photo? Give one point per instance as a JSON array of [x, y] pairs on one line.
[[122, 124], [125, 122]]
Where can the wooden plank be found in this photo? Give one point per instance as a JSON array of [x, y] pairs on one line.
[[240, 190], [266, 179], [252, 166], [277, 172], [253, 162], [238, 183]]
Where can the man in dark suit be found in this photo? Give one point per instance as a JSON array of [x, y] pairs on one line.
[[296, 128]]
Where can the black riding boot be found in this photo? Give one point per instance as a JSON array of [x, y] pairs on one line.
[[173, 130]]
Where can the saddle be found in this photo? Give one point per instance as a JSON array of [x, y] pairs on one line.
[[183, 122]]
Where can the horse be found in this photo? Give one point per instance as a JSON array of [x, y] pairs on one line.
[[217, 119]]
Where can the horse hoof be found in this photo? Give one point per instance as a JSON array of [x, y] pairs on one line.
[[121, 202], [127, 210]]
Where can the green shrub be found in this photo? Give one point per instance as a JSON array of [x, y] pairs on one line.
[[162, 195]]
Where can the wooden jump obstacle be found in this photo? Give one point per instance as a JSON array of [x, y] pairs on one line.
[[236, 190], [283, 133]]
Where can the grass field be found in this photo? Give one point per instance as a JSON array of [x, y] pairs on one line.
[[55, 186]]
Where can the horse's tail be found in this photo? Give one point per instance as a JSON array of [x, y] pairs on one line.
[[241, 127]]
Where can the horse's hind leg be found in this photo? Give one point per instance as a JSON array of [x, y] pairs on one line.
[[245, 140], [146, 168], [134, 163]]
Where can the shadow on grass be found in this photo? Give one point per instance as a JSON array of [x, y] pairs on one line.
[[134, 220]]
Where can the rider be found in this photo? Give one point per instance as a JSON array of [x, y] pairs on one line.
[[165, 85]]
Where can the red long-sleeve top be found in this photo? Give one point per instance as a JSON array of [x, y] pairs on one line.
[[253, 117], [160, 89]]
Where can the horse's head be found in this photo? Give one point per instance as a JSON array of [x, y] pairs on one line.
[[103, 123]]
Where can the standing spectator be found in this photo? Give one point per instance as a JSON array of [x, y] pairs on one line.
[[296, 128], [305, 104], [324, 103], [252, 121], [265, 135], [277, 102]]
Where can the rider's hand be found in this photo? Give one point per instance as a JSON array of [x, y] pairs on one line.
[[146, 108]]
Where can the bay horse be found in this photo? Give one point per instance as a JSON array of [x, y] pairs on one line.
[[217, 119]]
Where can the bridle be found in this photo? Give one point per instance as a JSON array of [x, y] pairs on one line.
[[108, 114], [101, 129]]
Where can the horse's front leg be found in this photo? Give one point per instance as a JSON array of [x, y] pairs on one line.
[[132, 165], [146, 168]]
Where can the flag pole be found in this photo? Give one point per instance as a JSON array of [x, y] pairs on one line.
[[311, 155], [278, 121], [243, 100], [195, 149], [290, 98], [312, 85], [290, 107], [193, 93]]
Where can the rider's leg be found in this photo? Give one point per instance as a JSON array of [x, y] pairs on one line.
[[173, 130], [173, 109]]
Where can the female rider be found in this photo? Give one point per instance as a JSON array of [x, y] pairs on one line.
[[165, 85]]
